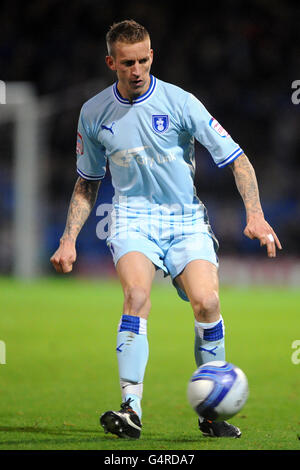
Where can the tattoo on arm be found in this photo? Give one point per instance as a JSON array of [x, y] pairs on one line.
[[246, 183], [83, 199]]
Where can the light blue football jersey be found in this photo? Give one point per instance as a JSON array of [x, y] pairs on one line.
[[149, 145]]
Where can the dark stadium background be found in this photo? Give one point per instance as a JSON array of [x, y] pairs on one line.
[[238, 57]]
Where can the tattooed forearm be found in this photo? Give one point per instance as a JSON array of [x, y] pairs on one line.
[[246, 182], [82, 201]]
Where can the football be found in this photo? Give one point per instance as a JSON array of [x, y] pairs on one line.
[[218, 390]]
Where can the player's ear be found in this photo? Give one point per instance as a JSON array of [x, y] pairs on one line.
[[151, 56], [110, 62]]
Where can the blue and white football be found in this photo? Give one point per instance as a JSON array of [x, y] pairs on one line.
[[218, 390]]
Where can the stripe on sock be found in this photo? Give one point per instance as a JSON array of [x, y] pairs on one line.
[[132, 323], [210, 331], [215, 333]]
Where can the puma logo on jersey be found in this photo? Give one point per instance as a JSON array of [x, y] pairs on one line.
[[106, 128]]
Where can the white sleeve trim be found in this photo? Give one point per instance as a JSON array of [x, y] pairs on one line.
[[235, 154], [89, 177]]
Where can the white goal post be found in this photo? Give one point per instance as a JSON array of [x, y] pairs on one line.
[[21, 108]]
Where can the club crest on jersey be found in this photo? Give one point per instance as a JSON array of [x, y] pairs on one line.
[[216, 126], [79, 144], [160, 122]]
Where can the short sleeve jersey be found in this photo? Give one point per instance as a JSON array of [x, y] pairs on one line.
[[149, 144]]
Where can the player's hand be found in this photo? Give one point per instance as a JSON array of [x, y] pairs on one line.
[[64, 257], [258, 227]]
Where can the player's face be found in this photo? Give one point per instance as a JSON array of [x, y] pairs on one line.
[[132, 63]]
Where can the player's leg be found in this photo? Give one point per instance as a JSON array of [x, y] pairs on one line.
[[199, 280], [136, 273]]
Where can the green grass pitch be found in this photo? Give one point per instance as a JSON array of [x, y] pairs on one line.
[[61, 367]]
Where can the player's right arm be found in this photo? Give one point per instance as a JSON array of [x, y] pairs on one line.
[[81, 204], [91, 167]]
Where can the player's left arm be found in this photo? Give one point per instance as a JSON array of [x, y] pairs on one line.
[[257, 226]]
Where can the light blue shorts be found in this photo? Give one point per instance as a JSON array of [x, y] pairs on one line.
[[170, 247]]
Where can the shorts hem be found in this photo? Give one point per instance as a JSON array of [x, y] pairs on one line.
[[156, 264], [193, 258]]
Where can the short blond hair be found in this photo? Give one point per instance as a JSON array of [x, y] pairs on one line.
[[127, 31]]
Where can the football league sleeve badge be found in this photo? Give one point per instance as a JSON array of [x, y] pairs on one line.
[[216, 126], [79, 144]]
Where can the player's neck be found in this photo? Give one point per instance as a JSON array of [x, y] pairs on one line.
[[131, 95]]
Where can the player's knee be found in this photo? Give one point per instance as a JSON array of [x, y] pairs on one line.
[[137, 300], [206, 307]]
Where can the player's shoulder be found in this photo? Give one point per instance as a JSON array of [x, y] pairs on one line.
[[97, 104], [180, 94], [172, 91]]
